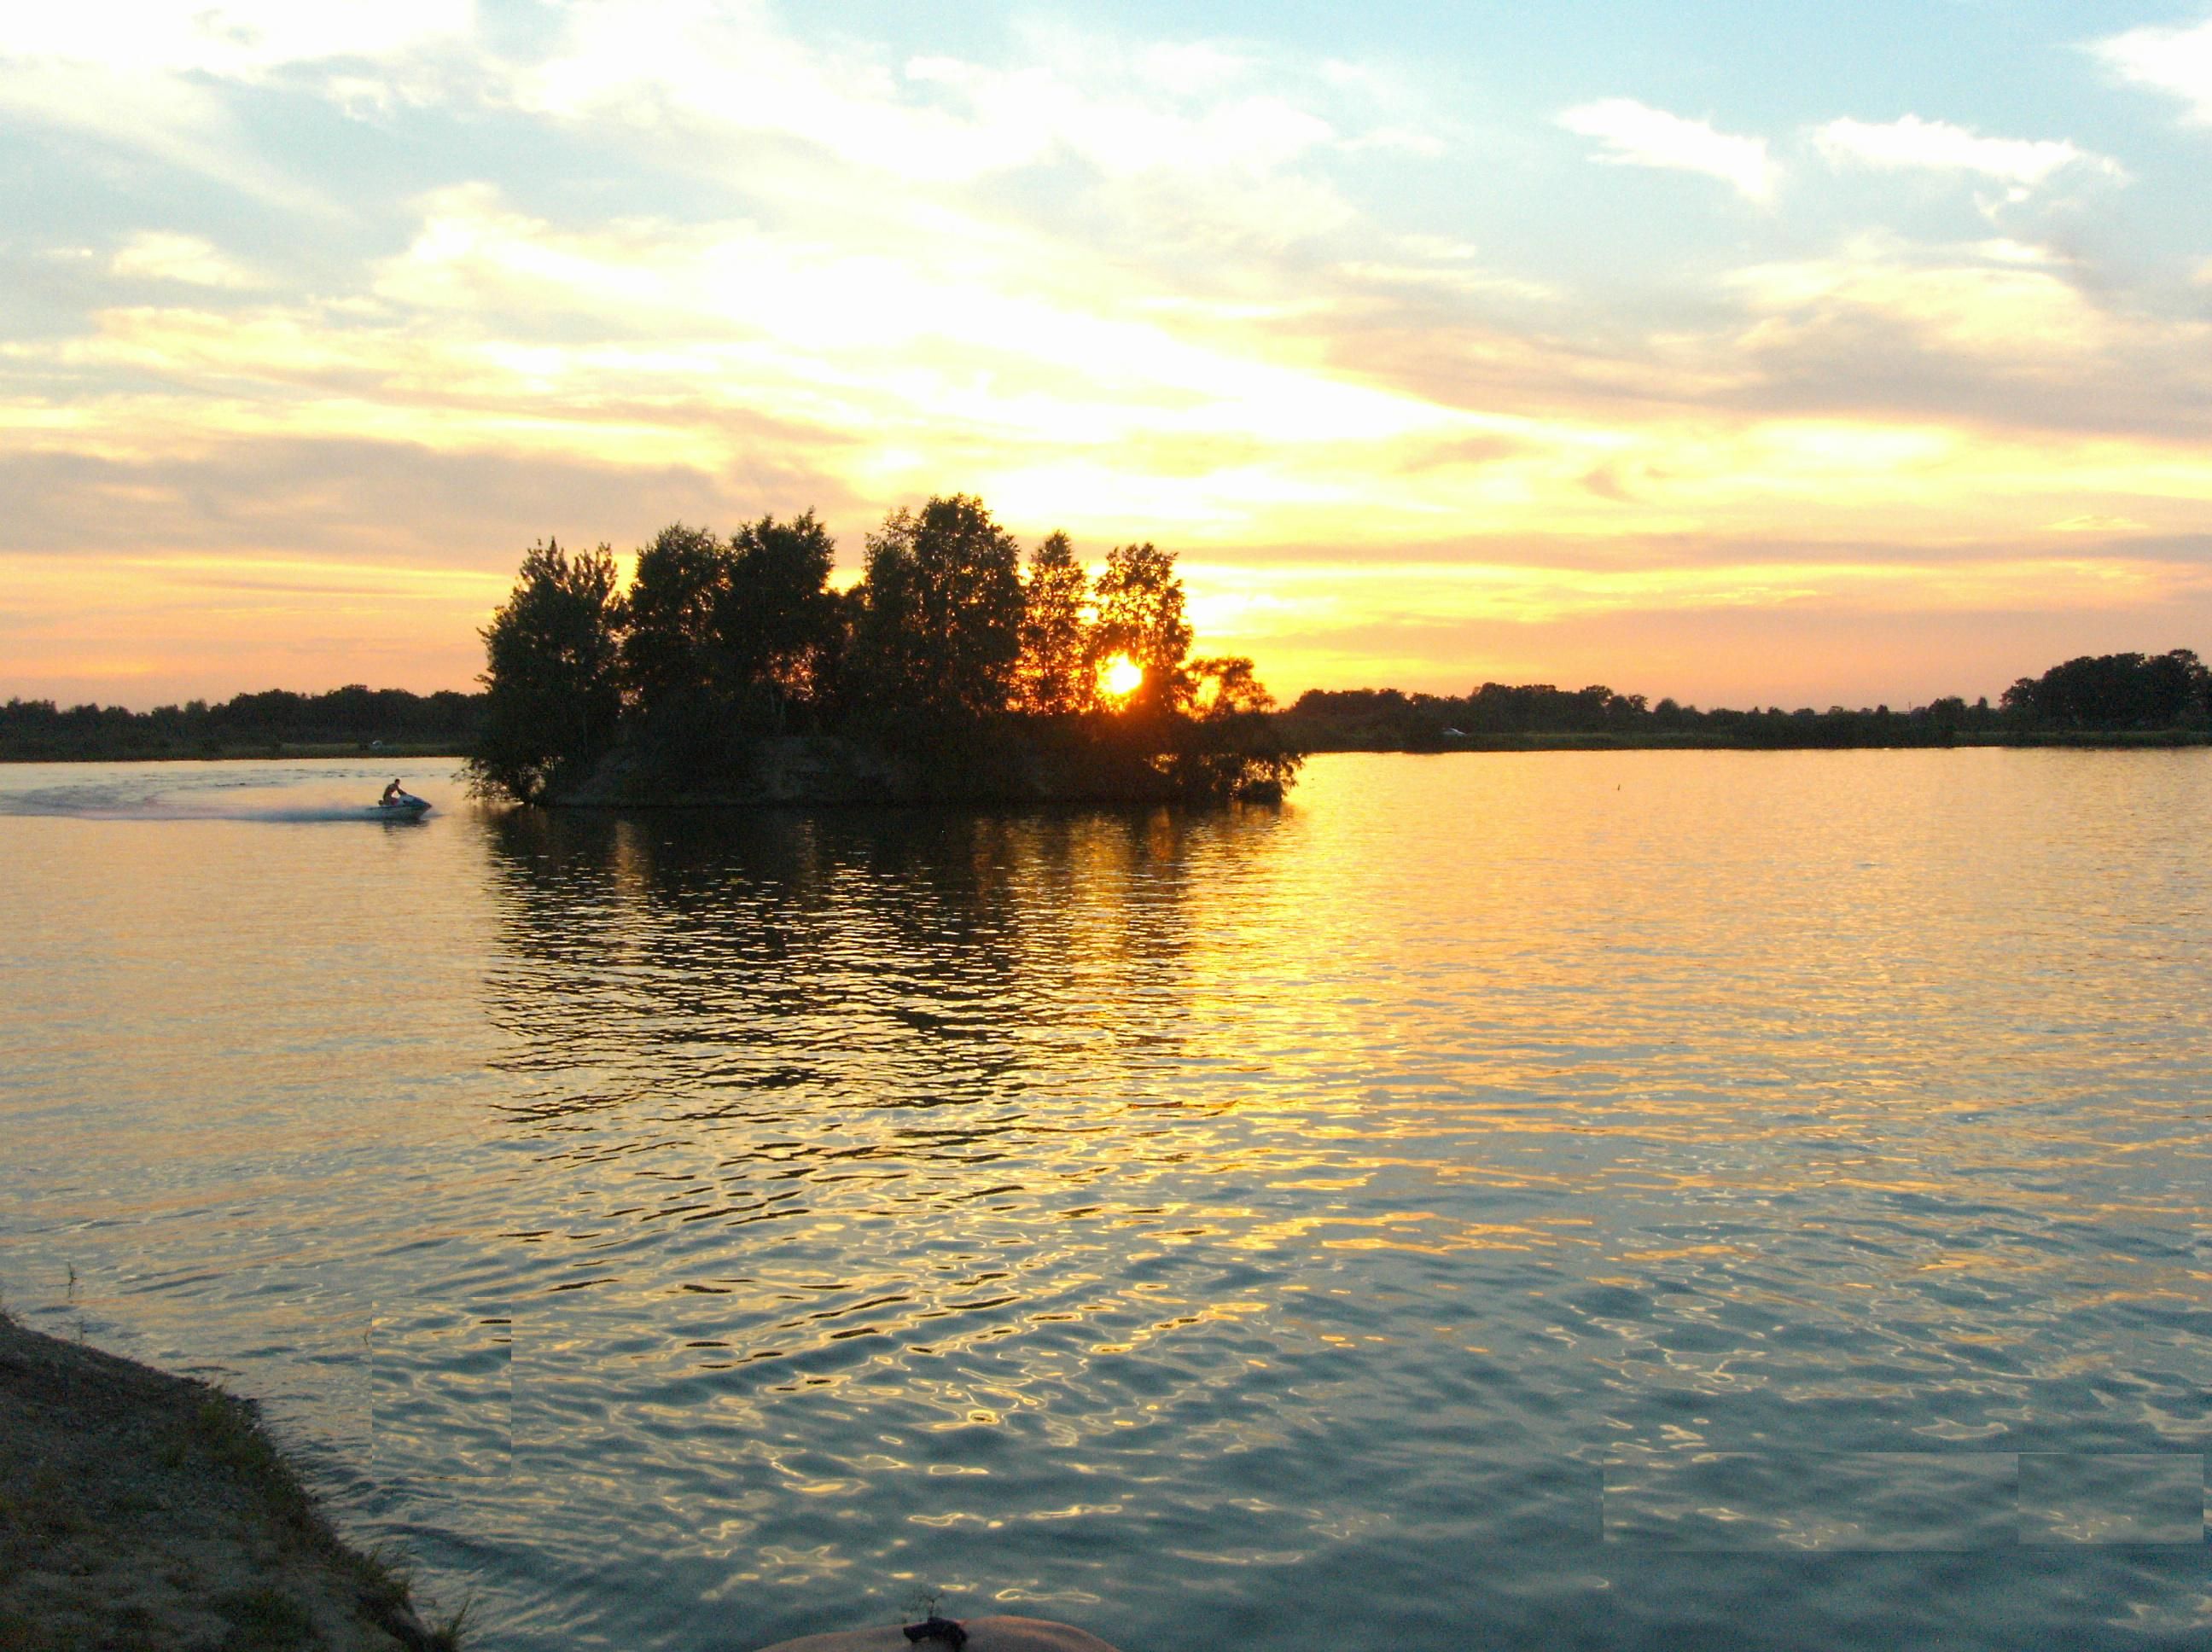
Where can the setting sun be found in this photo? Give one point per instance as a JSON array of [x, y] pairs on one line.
[[1119, 676]]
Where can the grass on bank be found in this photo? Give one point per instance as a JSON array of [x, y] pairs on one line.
[[231, 1431], [224, 1434]]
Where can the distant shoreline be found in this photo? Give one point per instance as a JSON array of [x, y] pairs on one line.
[[250, 750], [2086, 740], [2132, 740]]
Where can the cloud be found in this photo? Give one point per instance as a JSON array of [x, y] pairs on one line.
[[1190, 109], [175, 119], [2010, 307], [154, 77], [2175, 61], [1912, 143], [1978, 336], [155, 255], [2092, 524], [1637, 135], [237, 39]]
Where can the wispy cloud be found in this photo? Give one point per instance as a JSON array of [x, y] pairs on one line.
[[230, 39], [2097, 525], [932, 118], [1637, 135], [156, 255], [2015, 314], [2177, 61], [1909, 143], [152, 77]]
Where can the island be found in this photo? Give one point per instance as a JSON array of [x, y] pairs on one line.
[[731, 672]]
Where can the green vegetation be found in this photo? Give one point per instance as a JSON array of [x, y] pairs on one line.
[[275, 723], [946, 650], [2108, 700]]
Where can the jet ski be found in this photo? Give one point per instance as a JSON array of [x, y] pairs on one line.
[[405, 807]]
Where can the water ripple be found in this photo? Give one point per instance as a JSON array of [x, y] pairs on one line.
[[1615, 1200]]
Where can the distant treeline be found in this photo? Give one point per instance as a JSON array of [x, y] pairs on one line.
[[2114, 698], [275, 719], [2103, 697], [951, 650]]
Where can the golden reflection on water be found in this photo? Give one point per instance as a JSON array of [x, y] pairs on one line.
[[1480, 1156]]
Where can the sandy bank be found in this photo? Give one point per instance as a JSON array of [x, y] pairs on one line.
[[141, 1510]]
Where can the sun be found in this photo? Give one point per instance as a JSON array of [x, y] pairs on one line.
[[1120, 675]]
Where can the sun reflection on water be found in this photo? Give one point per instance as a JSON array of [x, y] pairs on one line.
[[1221, 1213]]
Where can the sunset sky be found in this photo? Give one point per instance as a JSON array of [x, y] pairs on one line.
[[1739, 352]]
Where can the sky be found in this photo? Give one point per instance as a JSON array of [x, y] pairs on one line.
[[1746, 352]]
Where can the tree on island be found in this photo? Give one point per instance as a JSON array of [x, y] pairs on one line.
[[552, 672], [1140, 618], [943, 646], [780, 624], [674, 671], [724, 638], [1057, 677], [939, 627]]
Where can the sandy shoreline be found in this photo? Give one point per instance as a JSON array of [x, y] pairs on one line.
[[140, 1509]]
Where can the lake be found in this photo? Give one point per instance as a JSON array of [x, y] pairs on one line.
[[1635, 1200]]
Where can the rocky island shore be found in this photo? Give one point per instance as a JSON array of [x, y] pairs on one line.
[[140, 1509], [1023, 768]]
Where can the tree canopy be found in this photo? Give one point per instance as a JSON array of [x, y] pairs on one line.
[[355, 715], [672, 653], [553, 671], [779, 624], [1058, 675], [939, 627], [2116, 691], [1140, 616]]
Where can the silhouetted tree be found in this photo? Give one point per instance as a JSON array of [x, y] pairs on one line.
[[1057, 675], [1228, 747], [939, 627], [1228, 687], [551, 678], [672, 663], [1140, 614], [779, 626], [2112, 692]]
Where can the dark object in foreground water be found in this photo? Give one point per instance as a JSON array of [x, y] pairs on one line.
[[933, 1628]]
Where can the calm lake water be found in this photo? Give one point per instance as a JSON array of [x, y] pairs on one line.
[[1565, 1200]]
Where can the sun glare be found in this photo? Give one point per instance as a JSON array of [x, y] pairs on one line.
[[1120, 675]]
